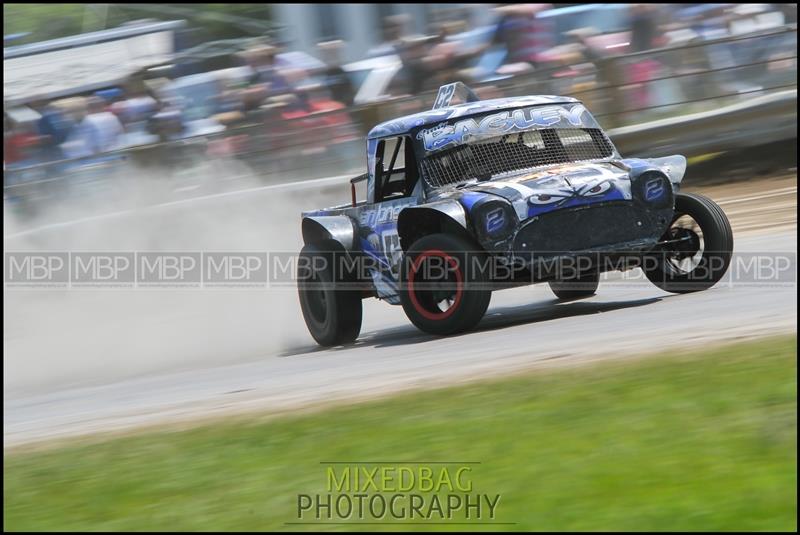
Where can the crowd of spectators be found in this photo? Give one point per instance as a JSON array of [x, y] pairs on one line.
[[284, 93]]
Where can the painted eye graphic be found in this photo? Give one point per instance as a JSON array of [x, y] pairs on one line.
[[545, 198], [598, 189]]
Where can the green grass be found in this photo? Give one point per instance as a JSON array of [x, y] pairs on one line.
[[697, 441]]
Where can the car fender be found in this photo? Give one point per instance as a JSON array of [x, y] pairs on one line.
[[438, 216], [339, 228], [673, 166]]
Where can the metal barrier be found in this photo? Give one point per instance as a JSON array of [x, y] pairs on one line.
[[702, 74], [758, 121], [296, 151]]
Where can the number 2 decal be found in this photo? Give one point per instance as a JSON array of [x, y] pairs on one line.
[[391, 248], [444, 96]]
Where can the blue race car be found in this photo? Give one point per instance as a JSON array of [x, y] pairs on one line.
[[469, 198]]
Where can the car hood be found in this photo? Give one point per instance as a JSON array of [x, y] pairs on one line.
[[565, 186]]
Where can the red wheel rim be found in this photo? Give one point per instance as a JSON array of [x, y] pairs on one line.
[[424, 312]]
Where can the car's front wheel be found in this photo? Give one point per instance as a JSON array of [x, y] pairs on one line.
[[696, 249], [444, 287]]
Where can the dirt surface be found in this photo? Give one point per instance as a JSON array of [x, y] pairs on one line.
[[756, 205]]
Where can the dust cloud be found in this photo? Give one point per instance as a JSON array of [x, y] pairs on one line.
[[62, 338]]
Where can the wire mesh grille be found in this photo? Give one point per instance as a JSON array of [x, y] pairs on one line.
[[497, 155]]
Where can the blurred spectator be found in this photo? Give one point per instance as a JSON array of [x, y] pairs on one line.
[[523, 35], [334, 77], [789, 12], [710, 23], [413, 77], [253, 97], [53, 128], [19, 142], [643, 27], [97, 132], [230, 99], [267, 70], [394, 30], [449, 54], [580, 38], [639, 72], [167, 123], [111, 96], [644, 32], [134, 110]]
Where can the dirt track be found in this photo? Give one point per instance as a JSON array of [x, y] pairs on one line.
[[81, 362], [753, 206]]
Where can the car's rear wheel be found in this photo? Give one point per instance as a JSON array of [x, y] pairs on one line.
[[331, 305], [584, 285], [444, 286], [695, 251]]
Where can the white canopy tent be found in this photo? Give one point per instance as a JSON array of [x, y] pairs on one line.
[[73, 65]]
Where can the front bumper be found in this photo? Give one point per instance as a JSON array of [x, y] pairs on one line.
[[599, 237], [593, 228]]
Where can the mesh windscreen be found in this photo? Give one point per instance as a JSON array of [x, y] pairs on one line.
[[493, 156]]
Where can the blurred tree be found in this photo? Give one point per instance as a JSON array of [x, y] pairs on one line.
[[212, 21], [44, 21]]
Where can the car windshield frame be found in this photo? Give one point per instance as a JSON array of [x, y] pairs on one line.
[[572, 121]]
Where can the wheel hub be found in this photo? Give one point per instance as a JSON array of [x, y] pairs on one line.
[[685, 243]]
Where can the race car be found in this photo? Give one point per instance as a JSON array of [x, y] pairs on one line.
[[469, 198]]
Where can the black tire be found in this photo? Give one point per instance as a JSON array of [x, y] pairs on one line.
[[579, 287], [332, 310], [714, 244], [463, 277]]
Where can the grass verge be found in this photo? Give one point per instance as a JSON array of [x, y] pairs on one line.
[[703, 440]]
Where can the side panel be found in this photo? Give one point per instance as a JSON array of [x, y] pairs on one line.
[[378, 240], [369, 230], [377, 232]]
